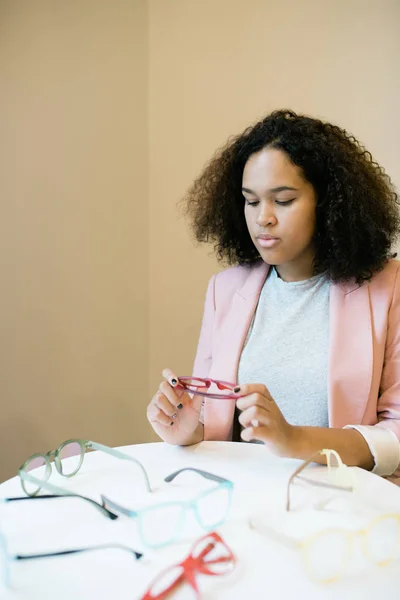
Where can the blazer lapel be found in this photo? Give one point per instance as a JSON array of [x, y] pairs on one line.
[[231, 338], [351, 354]]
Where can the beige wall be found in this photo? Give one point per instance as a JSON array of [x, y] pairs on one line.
[[74, 224], [107, 113], [216, 66]]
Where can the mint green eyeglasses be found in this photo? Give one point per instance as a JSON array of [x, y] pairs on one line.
[[161, 524], [36, 471]]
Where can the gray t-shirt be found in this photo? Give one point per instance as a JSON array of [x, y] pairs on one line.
[[287, 347]]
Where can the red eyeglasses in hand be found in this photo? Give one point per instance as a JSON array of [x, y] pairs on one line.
[[210, 388]]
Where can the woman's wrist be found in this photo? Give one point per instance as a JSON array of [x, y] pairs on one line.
[[349, 443], [194, 438]]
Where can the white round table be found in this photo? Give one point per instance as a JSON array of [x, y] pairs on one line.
[[265, 568]]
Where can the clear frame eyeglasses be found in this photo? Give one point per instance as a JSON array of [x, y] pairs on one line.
[[339, 477], [162, 524]]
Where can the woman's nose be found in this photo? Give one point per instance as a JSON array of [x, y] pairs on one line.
[[266, 217]]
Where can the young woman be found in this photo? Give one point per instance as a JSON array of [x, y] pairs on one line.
[[307, 321]]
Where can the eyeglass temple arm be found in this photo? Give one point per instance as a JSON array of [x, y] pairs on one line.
[[275, 535], [324, 484], [121, 455], [204, 474], [296, 474], [118, 507], [57, 492], [325, 501], [137, 555], [327, 453]]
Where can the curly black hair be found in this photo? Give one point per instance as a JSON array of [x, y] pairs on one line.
[[357, 216]]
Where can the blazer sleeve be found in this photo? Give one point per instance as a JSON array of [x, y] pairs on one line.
[[384, 437], [203, 360]]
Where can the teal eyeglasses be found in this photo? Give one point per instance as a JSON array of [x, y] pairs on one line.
[[161, 524]]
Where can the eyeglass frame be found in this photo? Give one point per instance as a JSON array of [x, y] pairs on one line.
[[61, 493], [327, 452], [8, 558], [55, 454], [186, 505], [206, 382], [302, 544], [190, 568]]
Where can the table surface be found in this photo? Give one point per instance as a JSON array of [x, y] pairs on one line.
[[265, 568]]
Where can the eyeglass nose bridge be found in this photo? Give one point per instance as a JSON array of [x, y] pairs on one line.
[[224, 386], [52, 456], [47, 457], [55, 454], [360, 532]]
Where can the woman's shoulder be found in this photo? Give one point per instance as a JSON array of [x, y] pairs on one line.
[[388, 276], [240, 273], [237, 278], [384, 287], [383, 281]]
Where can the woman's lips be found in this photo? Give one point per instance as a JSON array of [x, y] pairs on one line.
[[267, 242]]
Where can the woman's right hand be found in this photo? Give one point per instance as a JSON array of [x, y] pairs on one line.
[[173, 414]]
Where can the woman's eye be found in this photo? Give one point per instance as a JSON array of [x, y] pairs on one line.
[[282, 202], [252, 202]]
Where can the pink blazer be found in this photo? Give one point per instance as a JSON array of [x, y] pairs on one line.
[[364, 356]]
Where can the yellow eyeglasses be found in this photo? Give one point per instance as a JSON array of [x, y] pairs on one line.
[[326, 553]]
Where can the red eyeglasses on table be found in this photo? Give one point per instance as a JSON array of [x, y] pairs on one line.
[[210, 555]]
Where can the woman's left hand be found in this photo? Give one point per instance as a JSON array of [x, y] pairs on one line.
[[263, 420]]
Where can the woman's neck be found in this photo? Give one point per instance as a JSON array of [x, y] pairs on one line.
[[298, 270]]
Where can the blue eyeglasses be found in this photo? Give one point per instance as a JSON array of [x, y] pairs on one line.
[[161, 524]]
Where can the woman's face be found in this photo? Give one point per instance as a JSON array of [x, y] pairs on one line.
[[280, 213]]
